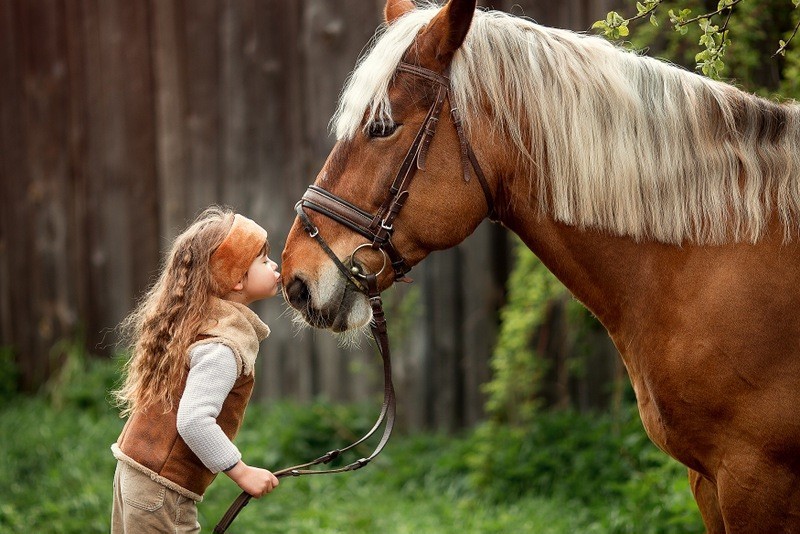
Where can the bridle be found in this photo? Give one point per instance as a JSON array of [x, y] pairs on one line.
[[377, 229]]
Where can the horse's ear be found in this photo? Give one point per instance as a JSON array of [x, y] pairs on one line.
[[395, 9], [446, 32]]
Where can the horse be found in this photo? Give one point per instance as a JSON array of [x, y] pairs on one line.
[[666, 202]]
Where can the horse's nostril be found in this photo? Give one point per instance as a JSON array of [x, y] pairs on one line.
[[297, 293]]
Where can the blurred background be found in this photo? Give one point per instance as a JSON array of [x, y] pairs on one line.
[[121, 119]]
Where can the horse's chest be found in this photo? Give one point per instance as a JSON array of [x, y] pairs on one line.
[[681, 409]]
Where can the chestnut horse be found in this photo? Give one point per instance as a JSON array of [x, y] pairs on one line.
[[669, 204]]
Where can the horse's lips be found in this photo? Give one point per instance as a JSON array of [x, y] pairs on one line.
[[336, 321]]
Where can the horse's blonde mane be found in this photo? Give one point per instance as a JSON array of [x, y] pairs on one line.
[[610, 139]]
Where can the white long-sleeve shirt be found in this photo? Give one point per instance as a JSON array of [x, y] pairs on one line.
[[213, 370]]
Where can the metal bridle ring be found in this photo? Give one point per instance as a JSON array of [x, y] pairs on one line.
[[359, 247]]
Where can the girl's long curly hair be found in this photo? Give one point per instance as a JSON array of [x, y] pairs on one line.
[[168, 318]]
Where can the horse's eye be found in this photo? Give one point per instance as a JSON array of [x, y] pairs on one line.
[[381, 129]]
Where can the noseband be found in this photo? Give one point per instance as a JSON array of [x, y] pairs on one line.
[[377, 229]]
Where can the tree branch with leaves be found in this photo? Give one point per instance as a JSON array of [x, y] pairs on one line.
[[712, 23]]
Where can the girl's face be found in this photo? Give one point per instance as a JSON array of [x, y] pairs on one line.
[[262, 280]]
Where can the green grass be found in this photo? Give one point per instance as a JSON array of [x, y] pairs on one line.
[[568, 473]]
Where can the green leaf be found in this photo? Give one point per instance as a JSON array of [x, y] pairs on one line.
[[618, 19]]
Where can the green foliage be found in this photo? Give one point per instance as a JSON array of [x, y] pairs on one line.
[[608, 466], [789, 85], [614, 27], [313, 430], [716, 30], [9, 374], [517, 369], [56, 471], [747, 57], [82, 381], [716, 42]]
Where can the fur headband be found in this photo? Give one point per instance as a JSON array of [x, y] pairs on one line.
[[231, 260]]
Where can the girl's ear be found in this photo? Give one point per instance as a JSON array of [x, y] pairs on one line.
[[395, 9], [239, 285]]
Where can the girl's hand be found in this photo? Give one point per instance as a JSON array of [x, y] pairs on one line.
[[254, 480]]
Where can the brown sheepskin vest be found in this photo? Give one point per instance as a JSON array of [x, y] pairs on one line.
[[150, 441]]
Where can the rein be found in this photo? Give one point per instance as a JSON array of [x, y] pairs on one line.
[[378, 229], [388, 409]]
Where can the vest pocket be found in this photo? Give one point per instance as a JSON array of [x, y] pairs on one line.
[[140, 491]]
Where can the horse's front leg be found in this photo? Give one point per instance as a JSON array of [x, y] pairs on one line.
[[757, 494], [705, 493]]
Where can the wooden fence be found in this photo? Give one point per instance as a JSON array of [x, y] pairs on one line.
[[121, 119]]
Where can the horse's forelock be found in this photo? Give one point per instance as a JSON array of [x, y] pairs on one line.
[[367, 88]]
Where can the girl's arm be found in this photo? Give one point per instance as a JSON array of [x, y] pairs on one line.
[[213, 370]]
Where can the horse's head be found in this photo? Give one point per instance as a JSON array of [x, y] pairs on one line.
[[382, 143]]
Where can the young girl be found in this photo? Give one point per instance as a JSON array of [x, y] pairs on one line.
[[194, 342]]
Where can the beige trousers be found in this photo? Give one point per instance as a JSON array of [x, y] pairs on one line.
[[142, 505]]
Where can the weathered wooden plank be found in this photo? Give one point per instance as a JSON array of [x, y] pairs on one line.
[[170, 87], [571, 14], [45, 109], [200, 30], [78, 246], [440, 393], [112, 291], [16, 314], [479, 328], [139, 165], [233, 105], [282, 150], [90, 128], [334, 32], [406, 319]]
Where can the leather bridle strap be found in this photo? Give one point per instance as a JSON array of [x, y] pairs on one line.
[[388, 413], [467, 154], [313, 231]]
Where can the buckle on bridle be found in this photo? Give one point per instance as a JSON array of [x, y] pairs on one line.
[[358, 464]]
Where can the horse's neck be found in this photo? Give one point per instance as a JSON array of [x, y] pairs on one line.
[[602, 271], [624, 282]]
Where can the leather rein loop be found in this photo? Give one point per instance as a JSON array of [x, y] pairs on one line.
[[377, 229]]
